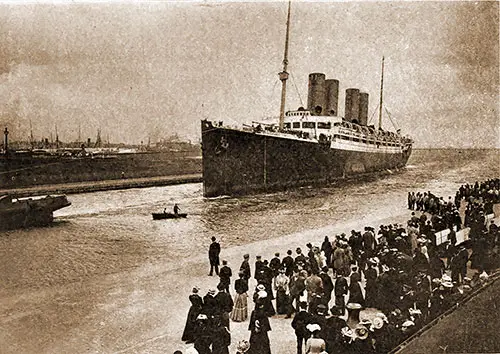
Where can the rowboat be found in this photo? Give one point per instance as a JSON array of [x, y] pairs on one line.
[[160, 216]]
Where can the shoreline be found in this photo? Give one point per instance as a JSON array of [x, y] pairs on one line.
[[97, 186]]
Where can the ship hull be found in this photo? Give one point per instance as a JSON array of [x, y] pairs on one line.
[[237, 162], [29, 212]]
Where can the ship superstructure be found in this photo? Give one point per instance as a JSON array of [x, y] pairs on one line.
[[308, 146]]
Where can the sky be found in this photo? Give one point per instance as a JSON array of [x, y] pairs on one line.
[[142, 71]]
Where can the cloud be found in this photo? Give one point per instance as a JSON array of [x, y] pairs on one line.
[[473, 46], [154, 69]]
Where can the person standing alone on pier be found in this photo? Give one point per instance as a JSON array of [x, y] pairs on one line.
[[213, 256]]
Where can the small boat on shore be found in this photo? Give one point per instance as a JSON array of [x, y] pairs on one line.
[[161, 216]]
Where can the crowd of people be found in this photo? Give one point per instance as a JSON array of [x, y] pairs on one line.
[[445, 214], [364, 293]]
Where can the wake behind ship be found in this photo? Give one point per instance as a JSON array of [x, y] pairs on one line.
[[308, 146]]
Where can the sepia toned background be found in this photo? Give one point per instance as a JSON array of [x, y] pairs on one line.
[[147, 70]]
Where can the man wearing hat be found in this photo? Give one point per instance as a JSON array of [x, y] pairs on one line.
[[224, 305], [221, 337], [340, 289], [369, 242], [458, 264], [319, 317], [258, 266], [245, 267], [333, 335], [301, 319], [213, 256], [297, 287], [225, 274], [287, 263], [275, 264], [266, 278], [327, 283], [300, 259]]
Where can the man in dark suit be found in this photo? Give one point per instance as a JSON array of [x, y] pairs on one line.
[[341, 289], [287, 263], [258, 265], [245, 267], [275, 264], [213, 256], [459, 264], [327, 286], [299, 323], [266, 278], [225, 274], [369, 242], [300, 259], [224, 305]]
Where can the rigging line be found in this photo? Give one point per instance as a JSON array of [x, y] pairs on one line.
[[297, 89], [274, 88], [373, 114], [392, 121]]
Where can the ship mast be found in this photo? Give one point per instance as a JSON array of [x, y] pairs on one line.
[[381, 96], [284, 74], [32, 140]]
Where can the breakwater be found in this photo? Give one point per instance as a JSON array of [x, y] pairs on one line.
[[96, 186], [36, 171]]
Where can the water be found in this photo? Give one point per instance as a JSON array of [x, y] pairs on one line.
[[74, 275], [106, 232]]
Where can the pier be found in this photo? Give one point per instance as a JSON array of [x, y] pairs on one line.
[[95, 186]]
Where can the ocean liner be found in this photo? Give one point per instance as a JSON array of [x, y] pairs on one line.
[[307, 146]]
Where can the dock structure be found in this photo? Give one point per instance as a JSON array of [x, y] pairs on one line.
[[95, 186]]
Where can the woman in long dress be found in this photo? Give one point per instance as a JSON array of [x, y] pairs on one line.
[[281, 284], [259, 326], [355, 293], [240, 309], [188, 335]]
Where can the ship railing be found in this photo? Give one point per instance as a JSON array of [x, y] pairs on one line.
[[289, 133], [370, 147]]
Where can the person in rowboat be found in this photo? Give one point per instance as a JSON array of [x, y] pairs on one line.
[[176, 209]]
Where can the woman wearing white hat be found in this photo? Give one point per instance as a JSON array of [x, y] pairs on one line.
[[314, 344]]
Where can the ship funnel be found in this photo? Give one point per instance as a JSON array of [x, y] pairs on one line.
[[332, 97], [363, 108], [352, 104], [316, 99]]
